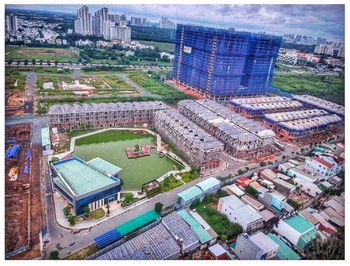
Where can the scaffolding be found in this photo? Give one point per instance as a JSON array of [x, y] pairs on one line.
[[218, 63], [197, 146], [240, 139], [103, 115]]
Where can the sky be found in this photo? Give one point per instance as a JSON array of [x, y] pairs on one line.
[[316, 20]]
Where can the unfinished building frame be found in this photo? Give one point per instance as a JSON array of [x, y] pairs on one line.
[[197, 146], [103, 115], [220, 63], [305, 126], [241, 137], [255, 108], [314, 102]]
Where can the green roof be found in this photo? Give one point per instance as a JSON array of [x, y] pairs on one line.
[[202, 234], [191, 193], [104, 166], [306, 239], [299, 223], [137, 223], [79, 177], [45, 136], [208, 183], [284, 252]]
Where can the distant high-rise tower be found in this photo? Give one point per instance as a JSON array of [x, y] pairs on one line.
[[101, 16], [221, 63], [11, 23], [83, 23]]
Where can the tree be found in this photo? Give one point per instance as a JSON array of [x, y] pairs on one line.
[[87, 211], [54, 255], [262, 164], [283, 157], [71, 219], [158, 207], [240, 172], [128, 197], [331, 248], [33, 61], [66, 210], [137, 148]]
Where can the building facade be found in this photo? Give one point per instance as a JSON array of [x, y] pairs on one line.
[[84, 185], [103, 115], [198, 147], [222, 63]]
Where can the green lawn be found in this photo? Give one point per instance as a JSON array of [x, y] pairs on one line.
[[329, 88]]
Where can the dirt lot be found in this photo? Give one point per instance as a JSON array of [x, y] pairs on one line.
[[23, 201]]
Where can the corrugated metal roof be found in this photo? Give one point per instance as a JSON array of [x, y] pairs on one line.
[[284, 252], [299, 223], [45, 136], [264, 242], [104, 166], [190, 193], [138, 222], [208, 183], [202, 234]]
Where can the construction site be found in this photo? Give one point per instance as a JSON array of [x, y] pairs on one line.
[[302, 127], [219, 64], [255, 108], [240, 136], [103, 115], [198, 147], [23, 203], [314, 102]]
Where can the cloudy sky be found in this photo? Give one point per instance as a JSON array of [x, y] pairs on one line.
[[316, 20]]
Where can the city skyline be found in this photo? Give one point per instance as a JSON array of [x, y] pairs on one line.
[[326, 21]]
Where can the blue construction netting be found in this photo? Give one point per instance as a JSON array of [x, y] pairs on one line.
[[26, 168], [225, 62], [13, 152], [107, 238], [7, 153], [28, 154]]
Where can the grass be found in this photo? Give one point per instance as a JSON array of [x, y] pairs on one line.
[[111, 135], [39, 70], [11, 76], [83, 253], [329, 88], [170, 183], [188, 176], [156, 86], [45, 54], [118, 83], [97, 214], [164, 47]]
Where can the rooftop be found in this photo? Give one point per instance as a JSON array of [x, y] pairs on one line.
[[146, 247], [299, 223], [45, 136], [208, 184], [236, 190], [104, 166], [263, 242], [201, 233], [80, 178], [284, 252], [179, 228], [247, 213], [233, 202], [190, 193]]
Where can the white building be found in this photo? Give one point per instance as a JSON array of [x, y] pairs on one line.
[[326, 165], [238, 212], [309, 188]]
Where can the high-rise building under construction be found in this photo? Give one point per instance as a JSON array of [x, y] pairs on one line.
[[219, 63]]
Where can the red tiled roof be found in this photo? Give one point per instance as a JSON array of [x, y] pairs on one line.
[[323, 162], [326, 229]]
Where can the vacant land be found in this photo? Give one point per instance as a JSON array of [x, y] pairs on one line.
[[14, 80], [329, 88], [24, 212], [60, 55], [164, 47]]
